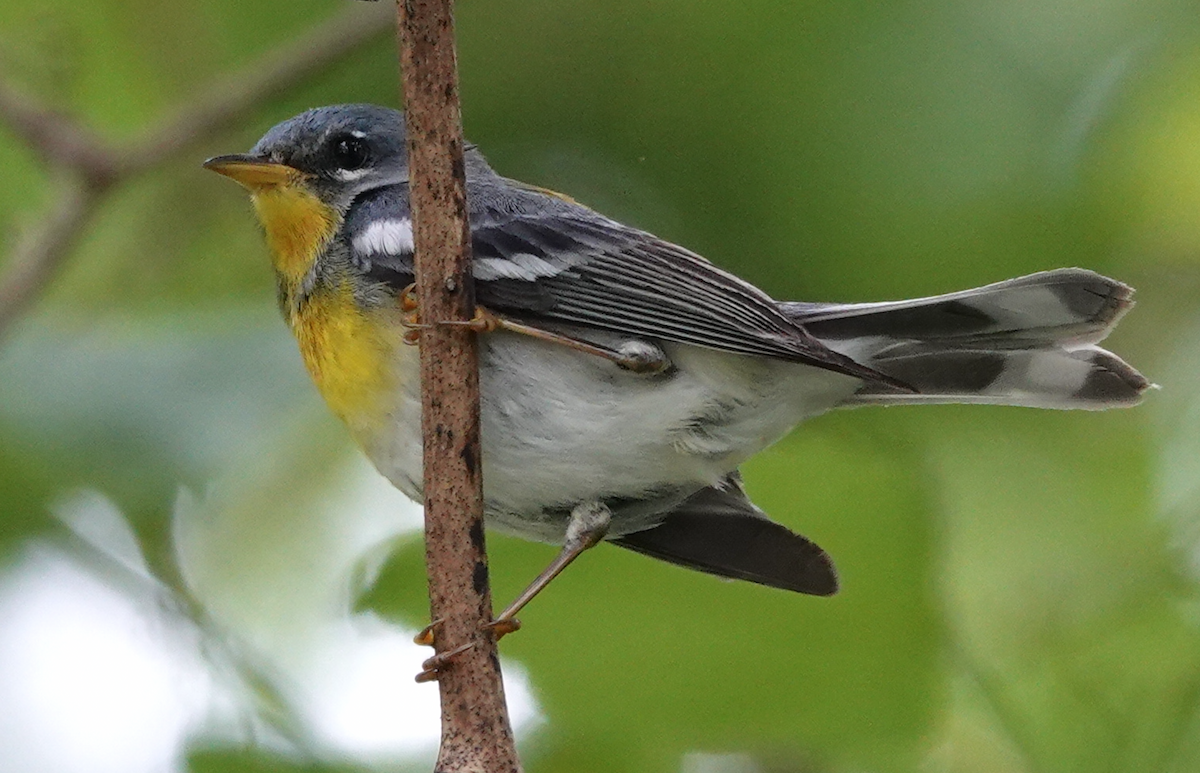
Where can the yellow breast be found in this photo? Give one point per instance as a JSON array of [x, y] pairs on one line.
[[353, 356]]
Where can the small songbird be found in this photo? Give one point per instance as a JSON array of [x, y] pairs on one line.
[[624, 378]]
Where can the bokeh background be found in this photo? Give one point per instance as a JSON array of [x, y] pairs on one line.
[[197, 571]]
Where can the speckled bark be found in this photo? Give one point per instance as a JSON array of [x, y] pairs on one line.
[[476, 734]]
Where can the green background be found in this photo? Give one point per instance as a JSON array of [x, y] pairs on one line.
[[1019, 587]]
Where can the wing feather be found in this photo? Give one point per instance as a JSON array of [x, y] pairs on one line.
[[541, 259], [631, 282]]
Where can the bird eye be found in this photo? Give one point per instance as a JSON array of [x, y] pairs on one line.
[[349, 152]]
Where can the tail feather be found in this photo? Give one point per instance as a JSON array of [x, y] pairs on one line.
[[1027, 341], [1086, 378], [718, 530]]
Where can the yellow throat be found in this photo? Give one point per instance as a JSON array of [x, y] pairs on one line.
[[298, 225], [348, 350]]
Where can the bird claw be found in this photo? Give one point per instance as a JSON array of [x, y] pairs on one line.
[[408, 298], [483, 321], [411, 321], [434, 667], [412, 335], [502, 626], [425, 637]]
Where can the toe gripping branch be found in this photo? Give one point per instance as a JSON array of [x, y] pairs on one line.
[[587, 527], [435, 666]]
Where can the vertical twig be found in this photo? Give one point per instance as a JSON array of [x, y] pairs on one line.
[[476, 734]]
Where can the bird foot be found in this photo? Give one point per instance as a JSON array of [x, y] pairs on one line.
[[503, 626], [635, 356], [411, 321], [433, 668], [425, 636], [500, 627], [484, 321]]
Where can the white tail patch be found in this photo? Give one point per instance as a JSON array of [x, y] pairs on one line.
[[1052, 372]]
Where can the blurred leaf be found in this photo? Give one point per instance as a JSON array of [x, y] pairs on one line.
[[398, 592], [170, 403], [27, 483]]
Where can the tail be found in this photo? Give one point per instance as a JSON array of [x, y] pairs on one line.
[[718, 530], [1029, 341]]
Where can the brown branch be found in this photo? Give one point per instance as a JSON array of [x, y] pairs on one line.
[[90, 165], [476, 734]]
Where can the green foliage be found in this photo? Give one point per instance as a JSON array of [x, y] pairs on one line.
[[1019, 587], [212, 761]]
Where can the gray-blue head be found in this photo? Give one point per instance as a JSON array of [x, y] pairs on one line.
[[337, 151]]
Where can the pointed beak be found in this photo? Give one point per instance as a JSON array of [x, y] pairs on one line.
[[253, 172]]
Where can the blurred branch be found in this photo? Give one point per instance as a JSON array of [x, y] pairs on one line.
[[89, 166], [56, 138], [176, 606], [226, 101], [476, 732], [41, 250]]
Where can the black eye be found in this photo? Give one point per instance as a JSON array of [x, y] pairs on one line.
[[349, 152]]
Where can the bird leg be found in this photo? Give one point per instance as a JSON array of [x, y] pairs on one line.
[[635, 356], [588, 525]]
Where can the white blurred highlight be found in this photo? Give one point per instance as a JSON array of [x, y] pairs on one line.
[[92, 680], [361, 696], [710, 762], [98, 674]]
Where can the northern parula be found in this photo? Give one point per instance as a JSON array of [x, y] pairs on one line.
[[626, 378]]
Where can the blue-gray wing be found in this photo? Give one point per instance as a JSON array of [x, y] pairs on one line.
[[580, 269], [538, 258]]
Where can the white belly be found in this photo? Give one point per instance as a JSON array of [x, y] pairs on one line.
[[560, 428]]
